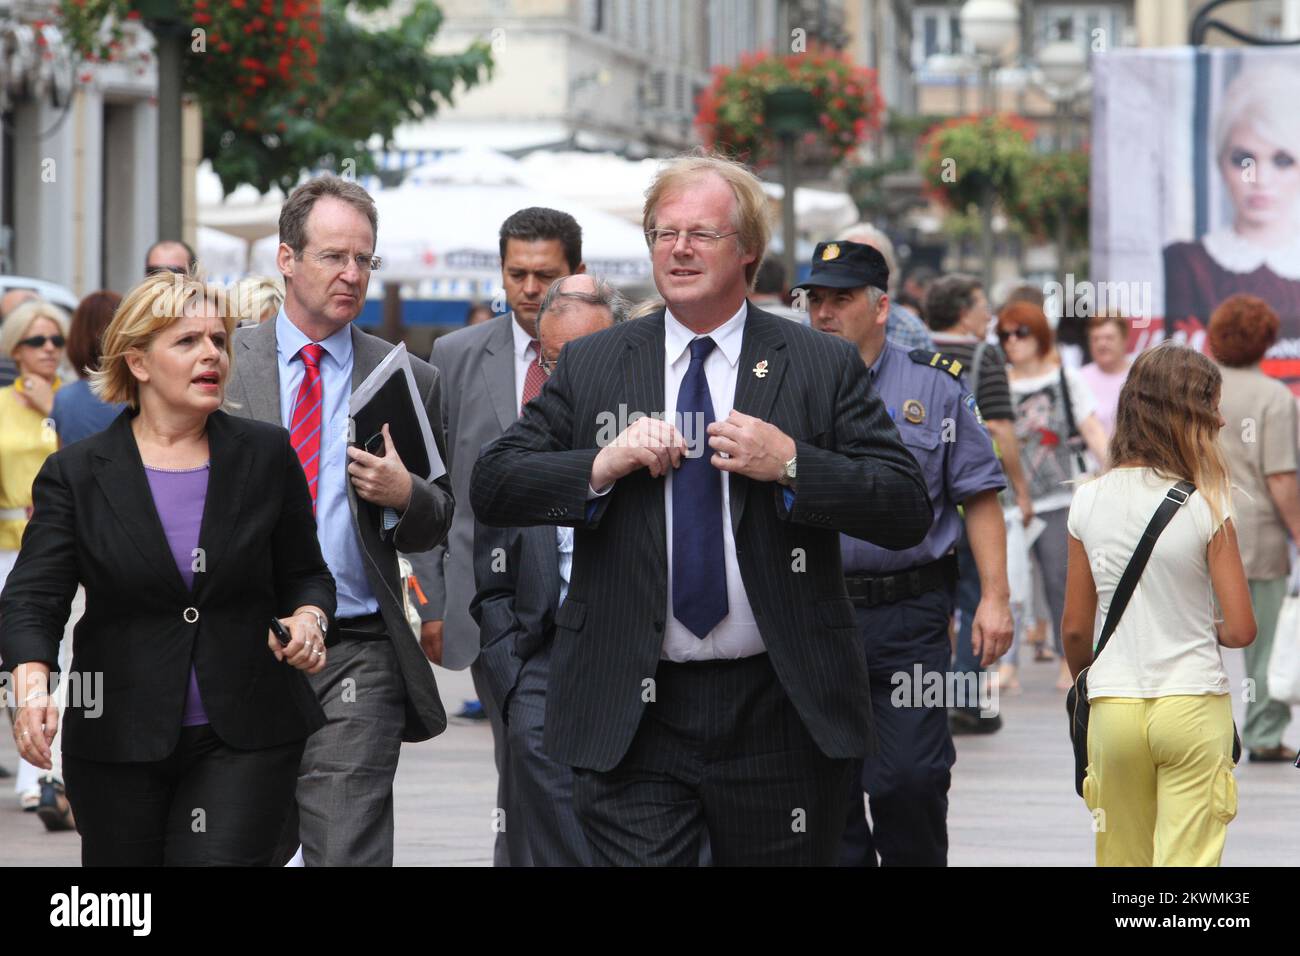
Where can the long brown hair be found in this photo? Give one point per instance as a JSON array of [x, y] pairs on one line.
[[1168, 420]]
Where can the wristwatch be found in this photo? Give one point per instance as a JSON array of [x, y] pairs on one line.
[[788, 475], [321, 622]]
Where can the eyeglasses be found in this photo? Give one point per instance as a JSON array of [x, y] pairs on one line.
[[338, 261], [547, 366], [699, 237], [1020, 332], [38, 341], [154, 270]]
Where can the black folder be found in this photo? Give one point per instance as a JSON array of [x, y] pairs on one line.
[[392, 405]]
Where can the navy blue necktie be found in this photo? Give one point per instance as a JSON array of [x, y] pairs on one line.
[[699, 569]]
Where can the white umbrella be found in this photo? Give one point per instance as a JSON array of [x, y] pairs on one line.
[[245, 213]]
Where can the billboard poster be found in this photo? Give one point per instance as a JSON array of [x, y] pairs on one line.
[[1196, 191]]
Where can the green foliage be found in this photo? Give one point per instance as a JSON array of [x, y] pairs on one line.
[[1055, 185], [287, 86], [965, 156], [730, 113], [367, 83]]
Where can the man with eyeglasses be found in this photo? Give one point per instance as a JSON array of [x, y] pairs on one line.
[[169, 255], [705, 682], [377, 688], [490, 372], [522, 576]]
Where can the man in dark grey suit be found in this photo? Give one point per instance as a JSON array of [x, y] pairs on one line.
[[705, 676], [299, 370], [522, 575], [489, 372]]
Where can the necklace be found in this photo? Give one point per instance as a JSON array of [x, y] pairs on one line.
[[177, 471]]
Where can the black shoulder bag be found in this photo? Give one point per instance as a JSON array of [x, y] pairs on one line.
[[1076, 701], [1073, 439]]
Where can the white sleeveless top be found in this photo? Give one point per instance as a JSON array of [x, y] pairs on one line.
[[1165, 644]]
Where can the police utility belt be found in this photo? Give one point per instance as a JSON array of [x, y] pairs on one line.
[[868, 590]]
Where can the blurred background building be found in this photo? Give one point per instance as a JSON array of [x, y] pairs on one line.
[[78, 160]]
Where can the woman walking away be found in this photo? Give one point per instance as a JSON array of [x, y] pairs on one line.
[[1160, 739]]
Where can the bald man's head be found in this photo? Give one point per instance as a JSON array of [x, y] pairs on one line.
[[169, 254], [575, 306], [14, 298]]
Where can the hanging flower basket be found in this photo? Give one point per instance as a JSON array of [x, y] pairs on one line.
[[963, 157], [847, 106]]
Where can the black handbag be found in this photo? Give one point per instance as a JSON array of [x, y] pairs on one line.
[[1073, 439], [1076, 701]]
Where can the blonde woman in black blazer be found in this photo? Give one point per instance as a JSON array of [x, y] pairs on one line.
[[190, 530]]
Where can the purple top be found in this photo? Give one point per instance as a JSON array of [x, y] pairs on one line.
[[179, 498]]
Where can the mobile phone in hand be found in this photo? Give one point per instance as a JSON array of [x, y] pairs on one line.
[[281, 634]]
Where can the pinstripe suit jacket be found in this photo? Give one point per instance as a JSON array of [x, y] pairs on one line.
[[517, 576], [855, 476]]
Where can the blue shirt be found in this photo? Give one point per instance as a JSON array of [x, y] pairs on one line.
[[338, 539], [937, 420], [905, 330], [78, 413]]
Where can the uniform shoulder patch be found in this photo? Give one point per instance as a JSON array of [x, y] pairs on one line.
[[938, 360]]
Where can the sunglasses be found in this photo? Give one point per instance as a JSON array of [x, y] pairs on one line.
[[1020, 332], [38, 341]]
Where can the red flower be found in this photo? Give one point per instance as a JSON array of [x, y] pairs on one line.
[[280, 26], [202, 18], [238, 4]]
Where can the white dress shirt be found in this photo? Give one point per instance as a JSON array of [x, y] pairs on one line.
[[736, 635], [564, 553], [523, 359]]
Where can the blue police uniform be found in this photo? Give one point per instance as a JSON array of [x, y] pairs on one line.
[[903, 601]]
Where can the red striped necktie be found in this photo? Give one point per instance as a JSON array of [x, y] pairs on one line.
[[535, 378], [304, 430]]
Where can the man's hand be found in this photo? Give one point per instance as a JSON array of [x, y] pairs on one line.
[[991, 629], [431, 640], [381, 481], [1026, 505], [752, 447], [646, 443]]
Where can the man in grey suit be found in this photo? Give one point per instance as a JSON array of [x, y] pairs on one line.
[[522, 575], [489, 372], [299, 370]]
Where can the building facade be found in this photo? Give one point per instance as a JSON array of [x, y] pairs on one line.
[[78, 164], [616, 75]]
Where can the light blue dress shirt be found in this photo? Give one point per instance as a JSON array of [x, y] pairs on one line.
[[338, 540]]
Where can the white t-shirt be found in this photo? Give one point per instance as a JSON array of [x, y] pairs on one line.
[[1165, 643], [1043, 432]]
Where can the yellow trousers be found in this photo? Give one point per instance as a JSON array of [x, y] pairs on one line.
[[1160, 784]]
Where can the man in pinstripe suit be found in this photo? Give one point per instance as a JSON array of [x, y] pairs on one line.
[[705, 673]]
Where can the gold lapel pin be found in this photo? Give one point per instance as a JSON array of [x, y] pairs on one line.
[[760, 370]]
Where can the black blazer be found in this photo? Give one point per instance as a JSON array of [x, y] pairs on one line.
[[854, 476], [517, 577], [95, 523]]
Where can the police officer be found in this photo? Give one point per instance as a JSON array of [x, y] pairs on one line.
[[904, 599]]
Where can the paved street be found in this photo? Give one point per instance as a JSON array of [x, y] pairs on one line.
[[1012, 801]]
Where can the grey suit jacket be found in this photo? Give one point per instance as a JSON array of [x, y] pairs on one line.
[[477, 366], [517, 572], [255, 385]]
